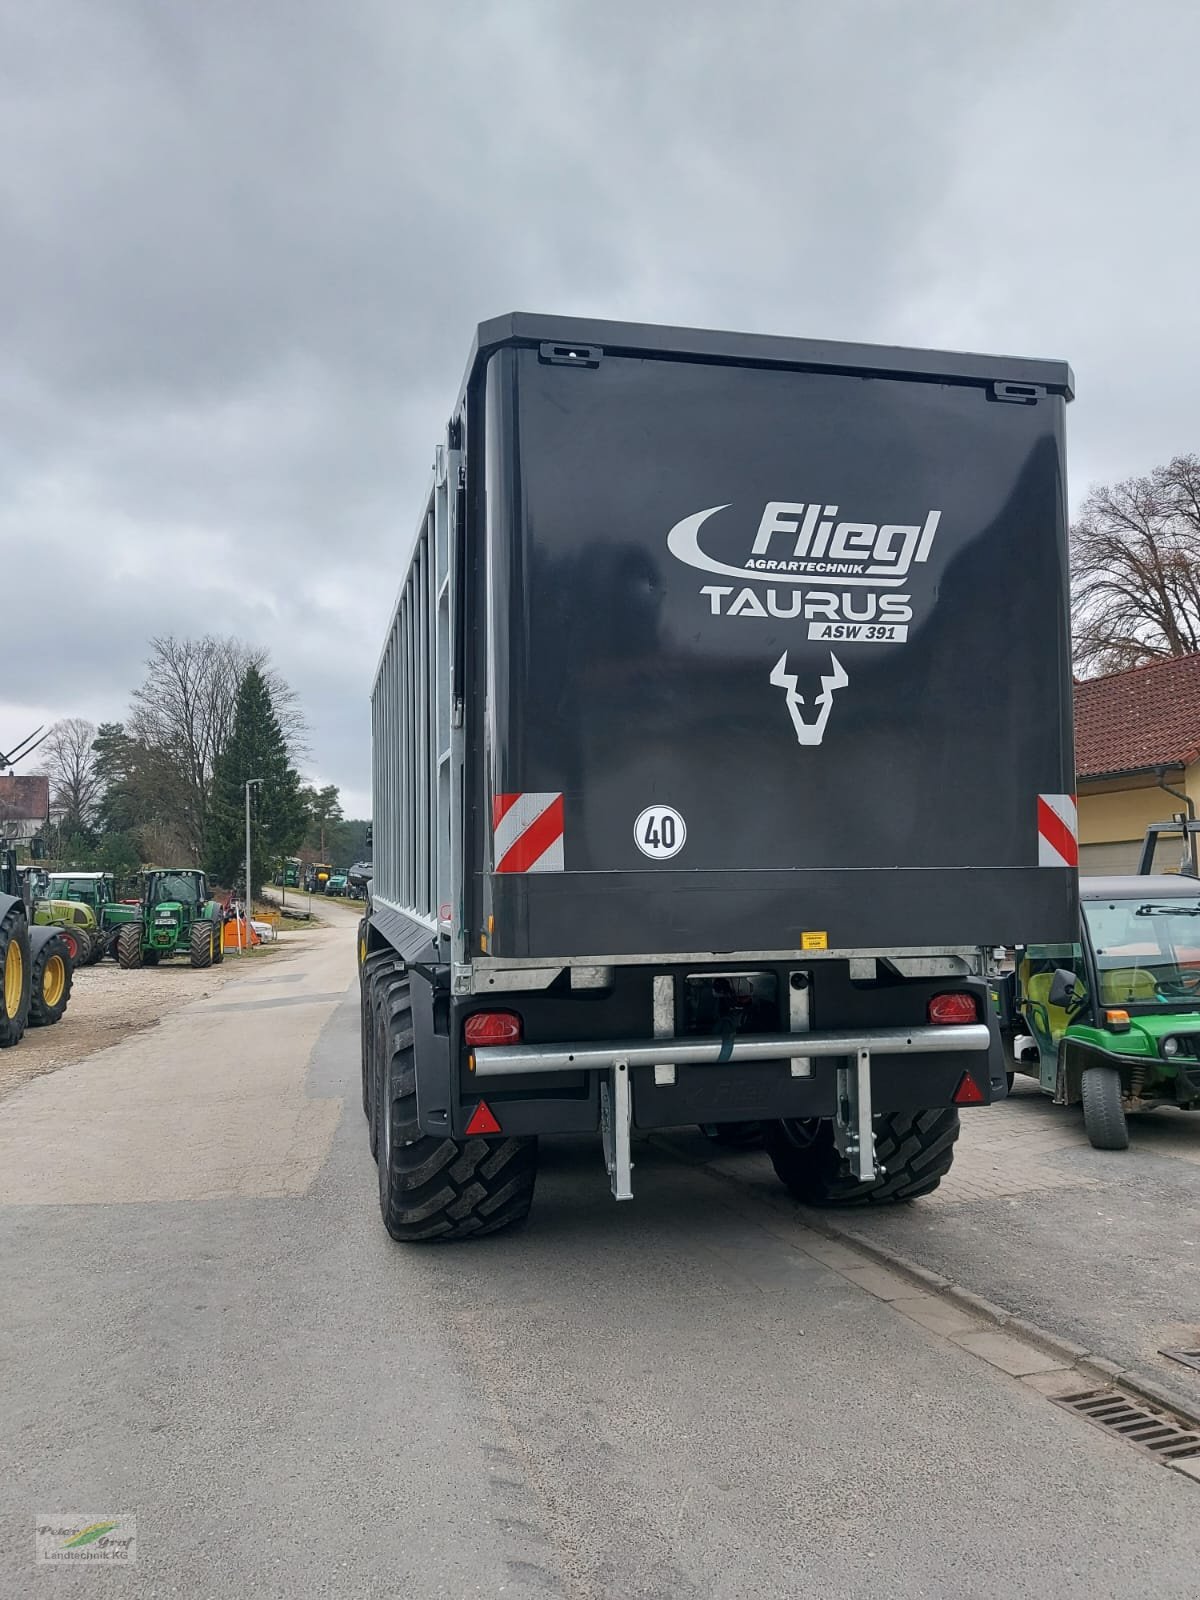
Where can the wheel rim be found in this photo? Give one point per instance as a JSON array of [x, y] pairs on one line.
[[14, 978], [54, 980]]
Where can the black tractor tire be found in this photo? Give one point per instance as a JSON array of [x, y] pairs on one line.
[[51, 975], [15, 973], [96, 946], [433, 1189], [914, 1149], [129, 945], [202, 943], [74, 948], [734, 1135], [372, 972], [218, 928], [85, 946], [1103, 1113]]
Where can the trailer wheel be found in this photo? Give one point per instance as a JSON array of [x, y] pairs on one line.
[[431, 1188], [371, 973], [1103, 1113], [129, 945], [50, 982], [14, 972], [201, 943], [914, 1149]]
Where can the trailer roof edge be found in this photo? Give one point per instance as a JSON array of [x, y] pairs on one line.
[[756, 349]]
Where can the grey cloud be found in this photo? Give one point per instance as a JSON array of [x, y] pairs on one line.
[[243, 247]]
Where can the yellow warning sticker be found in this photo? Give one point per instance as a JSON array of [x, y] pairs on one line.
[[814, 941]]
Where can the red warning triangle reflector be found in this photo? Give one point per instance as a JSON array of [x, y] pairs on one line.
[[968, 1092], [482, 1120]]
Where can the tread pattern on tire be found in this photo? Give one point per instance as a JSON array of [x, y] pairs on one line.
[[915, 1150], [42, 1015], [129, 945], [200, 943], [439, 1189], [370, 973], [1103, 1113], [14, 926]]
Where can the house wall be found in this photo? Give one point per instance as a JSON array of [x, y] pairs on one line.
[[1114, 815]]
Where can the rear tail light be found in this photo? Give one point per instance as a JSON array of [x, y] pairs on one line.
[[493, 1027], [953, 1008]]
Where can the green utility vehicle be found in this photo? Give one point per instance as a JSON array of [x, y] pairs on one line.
[[85, 906], [1112, 1021], [176, 917]]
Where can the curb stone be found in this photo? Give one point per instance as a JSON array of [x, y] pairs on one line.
[[1097, 1369]]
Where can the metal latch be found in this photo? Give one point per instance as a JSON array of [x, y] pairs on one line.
[[571, 355], [1019, 394]]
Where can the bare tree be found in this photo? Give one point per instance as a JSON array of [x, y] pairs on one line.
[[69, 761], [1135, 560], [183, 713]]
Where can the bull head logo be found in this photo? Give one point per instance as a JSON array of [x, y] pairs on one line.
[[813, 732]]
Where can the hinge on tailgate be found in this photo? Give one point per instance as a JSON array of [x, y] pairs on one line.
[[454, 433], [1018, 394], [571, 355]]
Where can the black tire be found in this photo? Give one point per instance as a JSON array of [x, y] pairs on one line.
[[433, 1189], [201, 943], [218, 941], [95, 946], [51, 974], [915, 1151], [1103, 1113], [734, 1135], [15, 974], [371, 974], [86, 945], [129, 945], [74, 947]]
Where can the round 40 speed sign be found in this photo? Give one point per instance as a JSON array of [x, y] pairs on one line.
[[660, 832]]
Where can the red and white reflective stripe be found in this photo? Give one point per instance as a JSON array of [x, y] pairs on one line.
[[1058, 830], [527, 832]]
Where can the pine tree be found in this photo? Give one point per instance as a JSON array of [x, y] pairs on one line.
[[256, 749]]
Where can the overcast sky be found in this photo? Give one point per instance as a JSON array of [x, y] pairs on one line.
[[244, 245]]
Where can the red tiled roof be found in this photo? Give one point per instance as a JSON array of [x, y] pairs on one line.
[[24, 799], [1137, 720]]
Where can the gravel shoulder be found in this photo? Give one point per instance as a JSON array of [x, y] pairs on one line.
[[109, 1005]]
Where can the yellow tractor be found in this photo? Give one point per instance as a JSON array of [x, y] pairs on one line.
[[35, 963]]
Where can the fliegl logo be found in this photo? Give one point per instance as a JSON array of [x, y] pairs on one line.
[[848, 582]]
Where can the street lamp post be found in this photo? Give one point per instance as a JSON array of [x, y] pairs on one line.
[[251, 783]]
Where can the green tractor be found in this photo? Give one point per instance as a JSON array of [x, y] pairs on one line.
[[85, 906], [35, 962], [176, 917], [1113, 1021], [288, 874]]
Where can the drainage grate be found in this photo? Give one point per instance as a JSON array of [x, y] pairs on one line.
[[1153, 1431], [1190, 1358]]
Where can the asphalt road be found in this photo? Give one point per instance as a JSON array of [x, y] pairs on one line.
[[687, 1396]]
